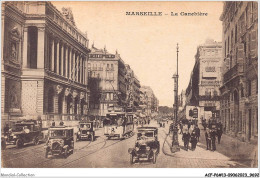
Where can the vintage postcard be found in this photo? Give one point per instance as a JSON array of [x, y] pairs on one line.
[[154, 84]]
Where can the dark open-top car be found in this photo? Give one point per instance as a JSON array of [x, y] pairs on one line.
[[147, 145], [22, 132], [60, 141], [86, 131]]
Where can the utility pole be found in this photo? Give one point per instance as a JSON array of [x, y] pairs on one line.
[[175, 143]]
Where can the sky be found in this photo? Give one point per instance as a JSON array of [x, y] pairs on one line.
[[148, 43]]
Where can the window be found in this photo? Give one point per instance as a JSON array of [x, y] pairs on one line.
[[32, 47]]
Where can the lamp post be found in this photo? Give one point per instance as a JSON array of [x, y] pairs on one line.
[[175, 143]]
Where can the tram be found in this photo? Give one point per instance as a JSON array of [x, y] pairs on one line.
[[118, 125]]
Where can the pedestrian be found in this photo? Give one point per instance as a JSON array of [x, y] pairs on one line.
[[186, 138], [181, 127], [193, 140], [208, 139], [213, 139], [197, 131], [219, 131]]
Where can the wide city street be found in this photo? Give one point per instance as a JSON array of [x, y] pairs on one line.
[[113, 153]]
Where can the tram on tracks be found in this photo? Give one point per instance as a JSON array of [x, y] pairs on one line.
[[118, 125]]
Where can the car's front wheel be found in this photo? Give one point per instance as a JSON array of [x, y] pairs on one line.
[[66, 153], [36, 141], [46, 153], [19, 143], [131, 159], [3, 145], [154, 158]]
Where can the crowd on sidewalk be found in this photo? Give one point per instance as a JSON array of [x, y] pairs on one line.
[[191, 133]]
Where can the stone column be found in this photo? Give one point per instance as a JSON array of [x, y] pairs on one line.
[[25, 41], [40, 48], [82, 70], [75, 71], [61, 59], [46, 51], [58, 57], [71, 64], [66, 61], [52, 55]]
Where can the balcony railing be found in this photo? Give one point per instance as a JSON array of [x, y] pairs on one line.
[[211, 83], [209, 97], [238, 69]]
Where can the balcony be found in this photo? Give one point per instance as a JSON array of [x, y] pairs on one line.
[[210, 83], [209, 97], [237, 70]]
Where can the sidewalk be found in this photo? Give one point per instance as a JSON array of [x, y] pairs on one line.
[[201, 157], [242, 152]]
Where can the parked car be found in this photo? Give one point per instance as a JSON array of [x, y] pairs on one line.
[[22, 132], [86, 131], [147, 146], [60, 141]]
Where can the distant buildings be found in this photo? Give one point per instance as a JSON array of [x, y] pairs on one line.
[[203, 88], [149, 102], [107, 82], [239, 90]]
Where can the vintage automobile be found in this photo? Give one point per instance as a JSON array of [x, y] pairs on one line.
[[60, 141], [22, 132], [147, 145], [86, 131]]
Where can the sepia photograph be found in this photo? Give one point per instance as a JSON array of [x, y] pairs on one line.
[[121, 84]]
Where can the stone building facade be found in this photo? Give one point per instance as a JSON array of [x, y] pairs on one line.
[[44, 62], [133, 88], [239, 91], [148, 100], [203, 88], [107, 81]]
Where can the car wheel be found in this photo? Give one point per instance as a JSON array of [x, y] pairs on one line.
[[19, 143], [3, 145], [131, 159], [36, 141], [66, 153], [154, 158], [46, 153]]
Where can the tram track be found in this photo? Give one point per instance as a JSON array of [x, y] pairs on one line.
[[103, 147]]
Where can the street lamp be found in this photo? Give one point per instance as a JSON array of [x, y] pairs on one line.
[[175, 143]]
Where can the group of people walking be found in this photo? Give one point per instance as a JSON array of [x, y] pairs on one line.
[[213, 130], [190, 134]]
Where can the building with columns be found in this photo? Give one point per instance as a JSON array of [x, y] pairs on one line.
[[44, 62], [239, 90], [107, 81]]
